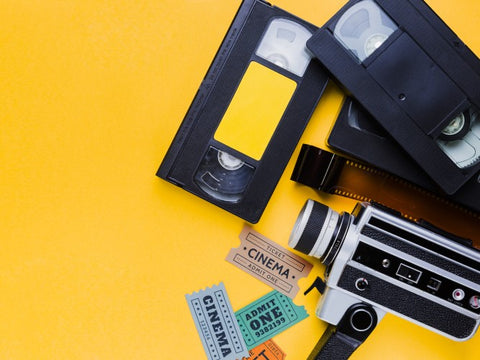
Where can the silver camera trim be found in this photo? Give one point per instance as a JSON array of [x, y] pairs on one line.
[[336, 300]]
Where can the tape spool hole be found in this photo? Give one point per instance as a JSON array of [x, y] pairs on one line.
[[361, 284], [279, 60], [373, 42], [363, 28], [229, 162], [455, 126]]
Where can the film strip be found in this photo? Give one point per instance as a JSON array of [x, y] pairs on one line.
[[337, 175]]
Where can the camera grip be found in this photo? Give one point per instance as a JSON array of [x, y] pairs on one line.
[[339, 342], [333, 345]]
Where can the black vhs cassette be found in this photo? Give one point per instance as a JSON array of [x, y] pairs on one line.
[[403, 64], [357, 134], [249, 112]]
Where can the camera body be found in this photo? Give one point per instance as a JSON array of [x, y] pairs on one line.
[[375, 256]]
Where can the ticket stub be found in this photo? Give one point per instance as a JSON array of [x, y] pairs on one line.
[[266, 351], [269, 262], [267, 317], [216, 324]]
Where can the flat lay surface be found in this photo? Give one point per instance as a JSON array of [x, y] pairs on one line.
[[96, 252]]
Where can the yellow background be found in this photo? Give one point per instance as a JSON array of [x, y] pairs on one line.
[[96, 252]]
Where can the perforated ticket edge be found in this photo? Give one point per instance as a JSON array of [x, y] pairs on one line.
[[269, 308], [269, 262], [267, 350], [216, 323]]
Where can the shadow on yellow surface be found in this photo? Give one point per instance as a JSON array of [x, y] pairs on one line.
[[96, 253]]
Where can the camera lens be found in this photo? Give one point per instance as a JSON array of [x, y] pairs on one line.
[[319, 231]]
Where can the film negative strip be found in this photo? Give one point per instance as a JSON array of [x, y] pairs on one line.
[[249, 113], [338, 175], [417, 79], [356, 134]]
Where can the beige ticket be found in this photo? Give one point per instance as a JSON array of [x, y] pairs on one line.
[[269, 262]]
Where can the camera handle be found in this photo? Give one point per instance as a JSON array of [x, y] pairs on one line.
[[339, 342]]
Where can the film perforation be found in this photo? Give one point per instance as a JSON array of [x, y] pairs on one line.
[[409, 185], [351, 195]]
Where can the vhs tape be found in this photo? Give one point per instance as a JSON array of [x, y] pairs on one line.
[[403, 64], [249, 112], [356, 134]]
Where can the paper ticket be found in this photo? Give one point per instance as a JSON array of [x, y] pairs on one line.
[[267, 317], [216, 324], [266, 351], [269, 262]]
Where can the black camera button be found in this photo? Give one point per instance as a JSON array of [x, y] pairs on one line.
[[361, 284], [475, 302], [434, 284]]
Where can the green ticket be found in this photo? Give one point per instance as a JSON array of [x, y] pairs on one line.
[[267, 317]]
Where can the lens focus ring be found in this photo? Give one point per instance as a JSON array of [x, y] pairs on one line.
[[319, 231], [308, 227]]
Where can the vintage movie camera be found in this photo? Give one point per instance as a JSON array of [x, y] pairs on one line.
[[378, 262]]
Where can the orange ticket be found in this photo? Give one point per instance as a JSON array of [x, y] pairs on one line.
[[266, 351]]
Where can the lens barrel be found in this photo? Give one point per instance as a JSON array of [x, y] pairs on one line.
[[319, 231]]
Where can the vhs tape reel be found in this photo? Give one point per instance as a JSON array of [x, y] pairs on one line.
[[363, 28], [357, 134], [249, 112], [460, 140], [223, 176], [414, 76]]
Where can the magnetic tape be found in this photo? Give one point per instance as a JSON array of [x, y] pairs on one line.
[[417, 79], [249, 112]]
